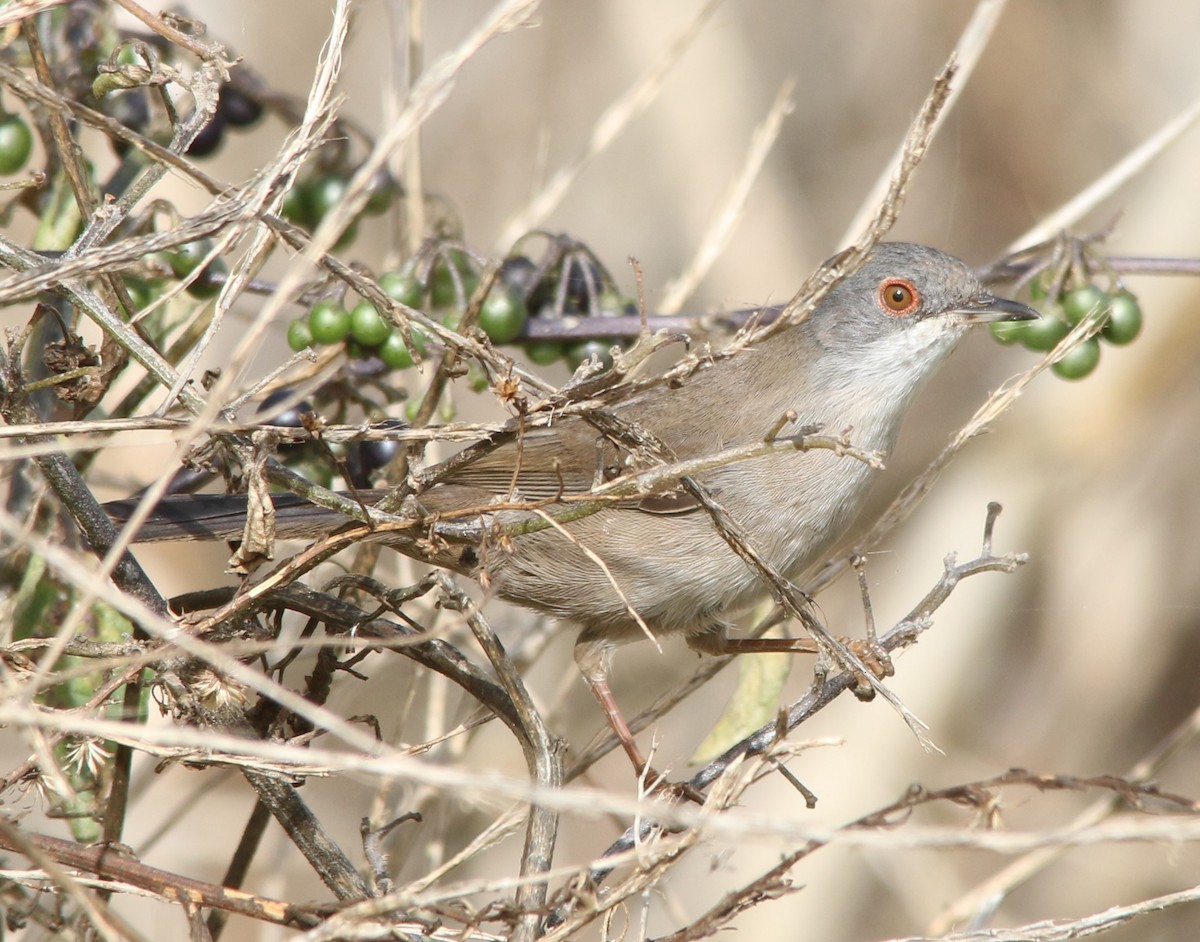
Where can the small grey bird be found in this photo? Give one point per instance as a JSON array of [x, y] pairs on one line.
[[855, 363]]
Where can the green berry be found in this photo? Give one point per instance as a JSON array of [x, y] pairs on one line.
[[403, 287], [367, 325], [1008, 332], [1078, 303], [329, 322], [297, 205], [544, 352], [1124, 319], [477, 378], [1044, 333], [1037, 289], [184, 259], [612, 303], [204, 286], [577, 353], [395, 353], [381, 193], [502, 316], [141, 292], [325, 193], [1078, 362], [299, 335], [444, 291], [16, 143]]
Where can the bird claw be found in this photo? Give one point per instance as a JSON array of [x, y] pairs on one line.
[[876, 659], [658, 786]]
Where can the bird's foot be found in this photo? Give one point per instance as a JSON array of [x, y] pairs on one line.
[[658, 786], [875, 658]]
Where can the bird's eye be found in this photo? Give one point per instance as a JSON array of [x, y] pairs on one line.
[[898, 297]]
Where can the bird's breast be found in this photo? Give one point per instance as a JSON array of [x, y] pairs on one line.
[[794, 507]]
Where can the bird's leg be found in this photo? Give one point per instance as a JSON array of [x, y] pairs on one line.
[[870, 652], [592, 656], [716, 642], [724, 645]]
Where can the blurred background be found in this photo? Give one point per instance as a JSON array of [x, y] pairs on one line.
[[1080, 663]]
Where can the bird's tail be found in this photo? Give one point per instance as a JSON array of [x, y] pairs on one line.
[[223, 516]]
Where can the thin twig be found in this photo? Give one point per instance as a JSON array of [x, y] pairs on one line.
[[1108, 183], [721, 228], [614, 119], [543, 756], [967, 51]]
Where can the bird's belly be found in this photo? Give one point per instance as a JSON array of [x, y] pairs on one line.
[[676, 571], [795, 519]]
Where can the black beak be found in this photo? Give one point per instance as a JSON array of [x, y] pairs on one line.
[[984, 309]]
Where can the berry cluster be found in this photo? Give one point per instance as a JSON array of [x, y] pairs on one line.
[[359, 462], [1119, 311], [362, 328], [311, 199], [569, 281], [441, 280]]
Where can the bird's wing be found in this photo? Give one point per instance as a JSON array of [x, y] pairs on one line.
[[568, 458]]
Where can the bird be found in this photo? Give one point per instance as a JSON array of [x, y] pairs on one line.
[[655, 562]]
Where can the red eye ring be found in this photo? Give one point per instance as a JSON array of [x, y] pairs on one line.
[[898, 296]]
